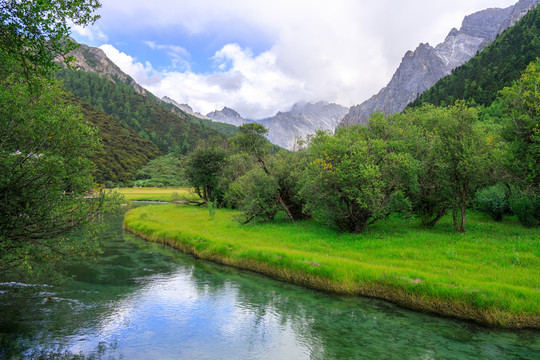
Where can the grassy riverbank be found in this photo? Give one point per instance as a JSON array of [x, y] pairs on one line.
[[155, 194], [490, 275]]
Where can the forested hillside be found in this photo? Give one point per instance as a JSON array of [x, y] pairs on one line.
[[497, 66], [123, 152], [169, 131]]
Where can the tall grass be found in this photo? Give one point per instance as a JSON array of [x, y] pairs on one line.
[[490, 275]]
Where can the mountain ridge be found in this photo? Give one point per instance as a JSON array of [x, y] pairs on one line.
[[422, 68]]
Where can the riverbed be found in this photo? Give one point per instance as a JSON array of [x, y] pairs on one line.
[[144, 300]]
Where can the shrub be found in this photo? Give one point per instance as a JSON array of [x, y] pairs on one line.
[[492, 200], [526, 207]]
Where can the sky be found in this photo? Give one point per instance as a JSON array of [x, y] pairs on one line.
[[263, 56]]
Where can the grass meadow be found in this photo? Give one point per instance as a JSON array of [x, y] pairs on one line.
[[490, 275], [156, 194]]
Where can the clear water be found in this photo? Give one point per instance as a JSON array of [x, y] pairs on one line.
[[147, 301]]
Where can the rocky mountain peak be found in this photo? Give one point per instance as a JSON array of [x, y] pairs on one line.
[[92, 59], [227, 115], [421, 69]]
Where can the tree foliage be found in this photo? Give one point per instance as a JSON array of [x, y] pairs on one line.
[[46, 187], [46, 178], [353, 180], [34, 33], [202, 170]]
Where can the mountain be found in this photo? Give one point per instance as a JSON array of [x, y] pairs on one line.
[[94, 60], [123, 152], [421, 69], [497, 66], [304, 119], [183, 107], [285, 127], [227, 116]]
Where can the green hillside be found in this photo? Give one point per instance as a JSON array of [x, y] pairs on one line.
[[169, 131], [123, 153], [497, 66]]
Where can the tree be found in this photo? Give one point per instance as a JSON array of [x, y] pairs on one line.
[[465, 152], [34, 33], [352, 179], [202, 170], [46, 187], [521, 106], [45, 183], [251, 140], [255, 194]]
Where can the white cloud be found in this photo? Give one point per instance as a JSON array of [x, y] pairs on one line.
[[142, 73], [342, 51], [92, 34], [253, 85]]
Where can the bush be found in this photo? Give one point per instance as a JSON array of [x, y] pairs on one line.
[[526, 207], [492, 200], [255, 194]]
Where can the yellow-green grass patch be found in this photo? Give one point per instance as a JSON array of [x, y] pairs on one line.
[[156, 194]]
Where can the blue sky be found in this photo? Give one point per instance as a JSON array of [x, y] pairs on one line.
[[261, 57]]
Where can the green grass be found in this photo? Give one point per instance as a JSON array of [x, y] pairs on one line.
[[155, 194], [490, 275]]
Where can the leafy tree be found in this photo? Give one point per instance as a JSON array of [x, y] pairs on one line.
[[468, 151], [202, 170], [46, 179], [352, 180], [34, 33], [45, 146], [255, 193], [521, 105], [251, 141]]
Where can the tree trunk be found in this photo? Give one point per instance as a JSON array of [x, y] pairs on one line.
[[441, 213]]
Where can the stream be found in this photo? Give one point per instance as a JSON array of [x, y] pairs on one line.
[[143, 300]]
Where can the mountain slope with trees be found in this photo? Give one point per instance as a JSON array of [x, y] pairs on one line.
[[123, 152], [167, 129]]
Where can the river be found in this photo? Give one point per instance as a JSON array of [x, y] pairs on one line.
[[146, 301]]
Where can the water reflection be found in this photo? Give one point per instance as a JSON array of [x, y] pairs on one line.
[[149, 301]]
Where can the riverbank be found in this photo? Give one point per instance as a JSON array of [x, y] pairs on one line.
[[491, 275]]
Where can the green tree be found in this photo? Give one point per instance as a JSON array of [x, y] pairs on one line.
[[255, 194], [45, 182], [202, 170], [521, 106], [34, 33], [466, 153], [352, 179], [45, 146]]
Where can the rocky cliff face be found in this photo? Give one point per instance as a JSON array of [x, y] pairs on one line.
[[421, 69], [304, 119], [92, 59], [227, 116]]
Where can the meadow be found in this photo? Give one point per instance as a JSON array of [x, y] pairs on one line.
[[490, 275], [156, 194]]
